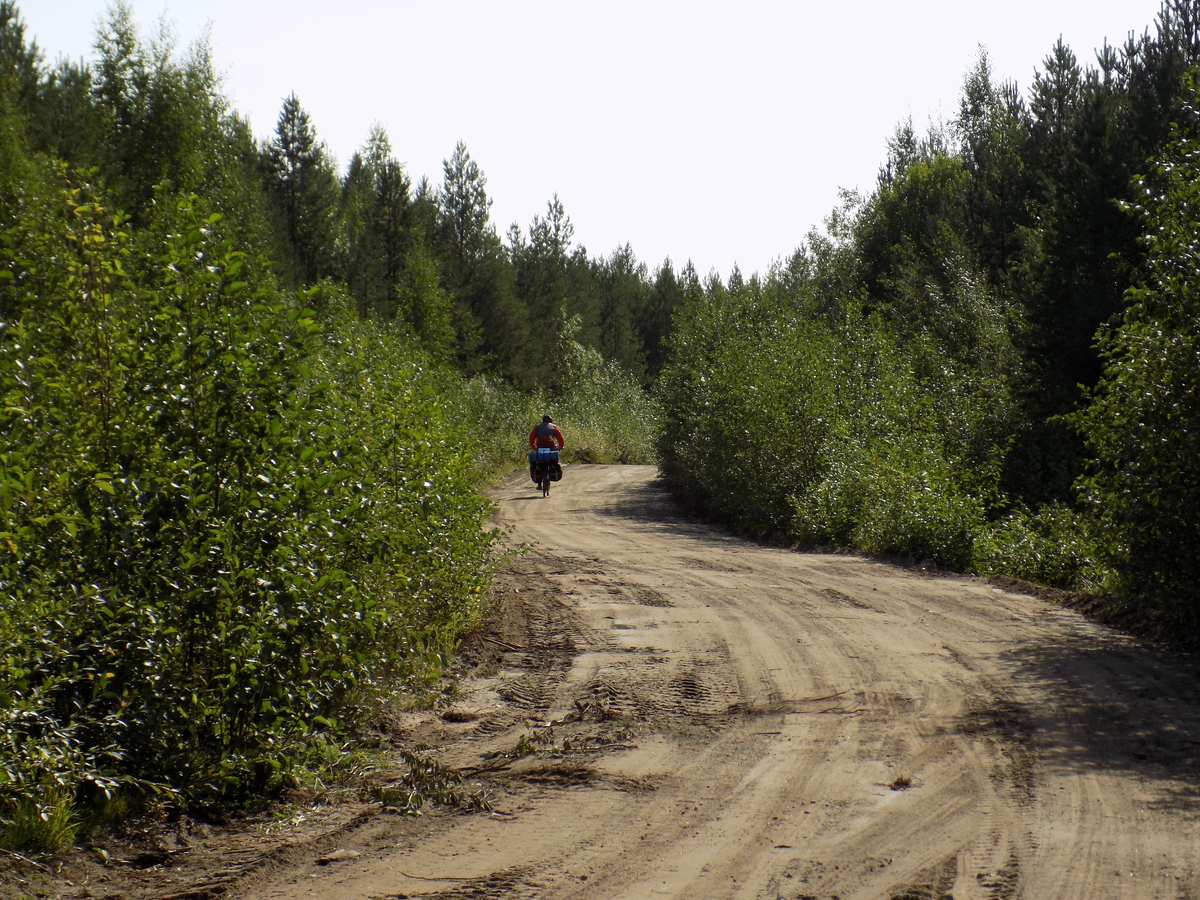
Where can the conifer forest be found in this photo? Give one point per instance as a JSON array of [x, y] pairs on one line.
[[251, 398]]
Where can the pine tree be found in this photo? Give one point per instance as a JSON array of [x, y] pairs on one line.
[[20, 62], [625, 292], [542, 267], [302, 184], [166, 126], [491, 323], [464, 228], [655, 327], [542, 283], [66, 122], [376, 207]]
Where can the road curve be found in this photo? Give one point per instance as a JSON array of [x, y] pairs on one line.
[[772, 724]]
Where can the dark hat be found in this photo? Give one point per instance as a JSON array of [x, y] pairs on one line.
[[547, 419]]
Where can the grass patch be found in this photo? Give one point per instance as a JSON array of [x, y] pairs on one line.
[[42, 824]]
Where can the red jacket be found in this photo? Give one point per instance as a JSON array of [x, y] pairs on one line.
[[544, 434]]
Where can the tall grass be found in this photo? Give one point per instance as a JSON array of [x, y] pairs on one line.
[[604, 414]]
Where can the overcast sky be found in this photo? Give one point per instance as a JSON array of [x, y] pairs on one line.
[[715, 132]]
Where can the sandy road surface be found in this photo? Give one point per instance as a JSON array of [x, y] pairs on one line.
[[736, 721]]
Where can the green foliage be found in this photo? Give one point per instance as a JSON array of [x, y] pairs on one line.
[[418, 544], [44, 824], [603, 406], [164, 121], [490, 321], [303, 186], [1040, 215], [153, 451], [20, 62], [428, 307], [625, 289], [234, 499], [541, 279], [390, 269], [216, 520], [604, 413], [911, 374], [1144, 418], [378, 236], [1053, 546], [742, 427], [786, 424]]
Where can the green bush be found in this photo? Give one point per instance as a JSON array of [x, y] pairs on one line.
[[746, 410], [918, 513], [604, 414], [1052, 546], [217, 517], [786, 422]]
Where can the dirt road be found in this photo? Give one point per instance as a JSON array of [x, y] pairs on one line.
[[742, 721], [689, 715]]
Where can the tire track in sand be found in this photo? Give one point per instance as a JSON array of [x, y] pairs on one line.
[[810, 726]]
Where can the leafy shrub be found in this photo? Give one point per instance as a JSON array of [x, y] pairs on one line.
[[783, 421], [216, 517], [608, 414], [1050, 546], [414, 539], [1144, 417], [605, 415], [746, 407], [920, 513]]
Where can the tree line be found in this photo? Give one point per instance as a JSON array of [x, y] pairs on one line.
[[424, 255], [985, 361], [249, 395], [247, 403]]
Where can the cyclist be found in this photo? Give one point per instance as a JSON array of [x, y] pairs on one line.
[[544, 434]]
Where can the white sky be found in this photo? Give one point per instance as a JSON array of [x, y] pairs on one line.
[[716, 132]]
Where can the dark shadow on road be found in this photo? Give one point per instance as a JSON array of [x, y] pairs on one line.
[[1115, 704], [650, 505]]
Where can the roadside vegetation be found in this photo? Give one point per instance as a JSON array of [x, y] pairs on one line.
[[250, 396], [989, 361], [248, 406]]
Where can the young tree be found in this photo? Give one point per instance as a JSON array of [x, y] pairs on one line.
[[1144, 418], [156, 111], [464, 228], [542, 267], [625, 293], [665, 296], [167, 127], [20, 62], [375, 198], [19, 65], [391, 271], [303, 187], [490, 321], [66, 121], [542, 283]]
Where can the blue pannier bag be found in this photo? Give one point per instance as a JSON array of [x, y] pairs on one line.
[[543, 456]]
